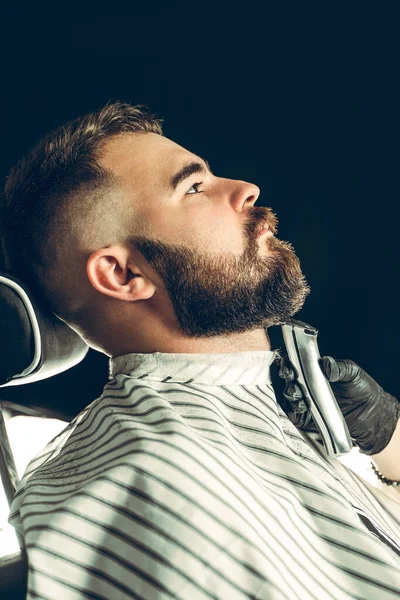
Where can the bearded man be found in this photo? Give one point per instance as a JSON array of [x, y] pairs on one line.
[[185, 478]]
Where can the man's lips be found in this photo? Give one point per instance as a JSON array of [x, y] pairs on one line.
[[265, 230]]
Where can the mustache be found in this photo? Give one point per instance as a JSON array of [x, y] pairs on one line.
[[257, 216]]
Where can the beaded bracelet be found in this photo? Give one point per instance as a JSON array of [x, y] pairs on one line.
[[383, 478]]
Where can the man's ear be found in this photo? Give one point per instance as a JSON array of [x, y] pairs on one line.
[[112, 272]]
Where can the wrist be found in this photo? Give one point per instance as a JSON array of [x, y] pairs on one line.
[[382, 477], [387, 462]]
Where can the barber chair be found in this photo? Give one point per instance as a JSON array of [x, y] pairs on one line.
[[34, 345]]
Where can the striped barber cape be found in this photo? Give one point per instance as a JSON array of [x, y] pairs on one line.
[[186, 480]]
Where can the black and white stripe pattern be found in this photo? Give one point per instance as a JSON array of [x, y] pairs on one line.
[[186, 480]]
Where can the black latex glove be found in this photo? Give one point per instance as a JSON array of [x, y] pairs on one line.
[[371, 413]]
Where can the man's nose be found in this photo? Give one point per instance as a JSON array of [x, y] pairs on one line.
[[244, 195]]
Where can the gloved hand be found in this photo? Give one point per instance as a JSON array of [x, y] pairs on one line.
[[371, 413]]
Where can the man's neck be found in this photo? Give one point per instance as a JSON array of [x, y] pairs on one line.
[[252, 341]]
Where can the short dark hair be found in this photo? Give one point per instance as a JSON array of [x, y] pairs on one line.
[[59, 182]]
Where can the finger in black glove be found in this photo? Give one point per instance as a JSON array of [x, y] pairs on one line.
[[296, 407]]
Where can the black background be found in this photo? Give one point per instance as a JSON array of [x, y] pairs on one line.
[[301, 99]]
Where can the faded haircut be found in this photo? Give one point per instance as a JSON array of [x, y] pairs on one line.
[[58, 187]]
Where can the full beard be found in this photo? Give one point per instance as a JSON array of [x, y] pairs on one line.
[[221, 294]]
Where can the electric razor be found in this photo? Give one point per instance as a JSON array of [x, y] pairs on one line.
[[302, 349]]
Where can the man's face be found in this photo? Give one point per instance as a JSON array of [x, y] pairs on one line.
[[202, 240]]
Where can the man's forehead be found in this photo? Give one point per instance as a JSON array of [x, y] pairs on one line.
[[141, 153]]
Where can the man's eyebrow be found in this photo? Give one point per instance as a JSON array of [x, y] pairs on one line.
[[188, 170]]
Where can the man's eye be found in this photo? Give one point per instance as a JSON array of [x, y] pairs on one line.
[[194, 186]]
